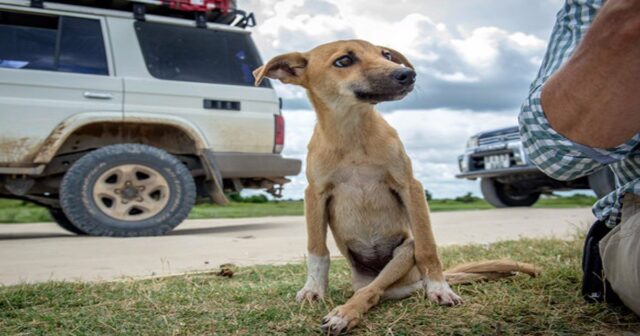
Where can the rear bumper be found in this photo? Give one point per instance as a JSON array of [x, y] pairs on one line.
[[248, 165]]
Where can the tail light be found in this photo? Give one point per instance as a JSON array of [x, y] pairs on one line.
[[279, 134]]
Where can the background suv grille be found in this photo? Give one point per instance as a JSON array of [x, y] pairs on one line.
[[506, 136]]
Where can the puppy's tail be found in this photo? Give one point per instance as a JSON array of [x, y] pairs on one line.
[[487, 271]]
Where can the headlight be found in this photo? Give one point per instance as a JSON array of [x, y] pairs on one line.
[[472, 142], [463, 164]]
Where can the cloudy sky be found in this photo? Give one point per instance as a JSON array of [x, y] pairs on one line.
[[475, 60]]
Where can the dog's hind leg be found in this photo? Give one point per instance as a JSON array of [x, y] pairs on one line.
[[405, 287], [426, 255], [359, 280], [346, 316]]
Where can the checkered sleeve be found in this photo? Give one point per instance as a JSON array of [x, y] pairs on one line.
[[558, 156], [554, 154]]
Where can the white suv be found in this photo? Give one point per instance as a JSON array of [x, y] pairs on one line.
[[118, 124]]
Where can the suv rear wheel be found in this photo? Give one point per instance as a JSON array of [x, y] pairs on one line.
[[502, 195], [127, 190]]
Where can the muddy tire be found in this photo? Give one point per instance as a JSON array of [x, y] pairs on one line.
[[63, 221], [500, 195], [127, 190]]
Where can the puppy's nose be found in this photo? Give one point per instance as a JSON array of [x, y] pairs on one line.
[[404, 76]]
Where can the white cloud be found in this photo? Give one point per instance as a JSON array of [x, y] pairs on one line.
[[456, 77], [482, 48], [527, 42]]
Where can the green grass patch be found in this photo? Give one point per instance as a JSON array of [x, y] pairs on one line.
[[260, 301], [238, 210], [12, 211], [574, 201]]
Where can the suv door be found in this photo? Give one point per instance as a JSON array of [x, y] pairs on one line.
[[52, 67], [204, 76]]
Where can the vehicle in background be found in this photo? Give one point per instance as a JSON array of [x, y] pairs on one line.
[[117, 120], [508, 178]]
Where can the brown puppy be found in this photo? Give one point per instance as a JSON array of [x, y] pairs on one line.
[[361, 183]]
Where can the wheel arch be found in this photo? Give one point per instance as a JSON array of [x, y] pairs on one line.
[[92, 130]]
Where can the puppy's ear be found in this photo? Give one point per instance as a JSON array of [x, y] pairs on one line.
[[288, 68], [397, 57]]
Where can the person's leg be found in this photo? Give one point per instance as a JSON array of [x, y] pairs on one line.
[[620, 251], [593, 99], [594, 286]]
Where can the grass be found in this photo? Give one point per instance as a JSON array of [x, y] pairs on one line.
[[260, 301], [236, 210], [12, 211]]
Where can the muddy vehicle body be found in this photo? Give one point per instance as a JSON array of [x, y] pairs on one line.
[[119, 123]]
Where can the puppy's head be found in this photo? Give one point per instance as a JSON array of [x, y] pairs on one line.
[[352, 71]]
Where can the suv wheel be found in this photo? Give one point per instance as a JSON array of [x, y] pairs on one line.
[[127, 190], [502, 195], [63, 221]]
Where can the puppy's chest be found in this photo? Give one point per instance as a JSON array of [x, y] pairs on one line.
[[361, 194], [367, 215], [358, 180]]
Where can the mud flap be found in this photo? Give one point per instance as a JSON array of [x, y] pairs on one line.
[[214, 183]]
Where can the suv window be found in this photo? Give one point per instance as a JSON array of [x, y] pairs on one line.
[[198, 55], [40, 42]]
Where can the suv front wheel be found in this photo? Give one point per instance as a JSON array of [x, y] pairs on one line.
[[502, 195], [127, 190]]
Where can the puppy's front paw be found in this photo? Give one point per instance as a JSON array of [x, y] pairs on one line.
[[339, 321], [441, 293], [317, 279], [309, 294]]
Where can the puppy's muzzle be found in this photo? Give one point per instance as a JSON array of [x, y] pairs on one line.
[[387, 86]]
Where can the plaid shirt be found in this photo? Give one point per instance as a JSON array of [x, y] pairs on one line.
[[558, 156]]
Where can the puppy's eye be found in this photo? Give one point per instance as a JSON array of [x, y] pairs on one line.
[[387, 55], [343, 61]]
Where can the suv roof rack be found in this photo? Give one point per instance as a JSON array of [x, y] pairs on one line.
[[202, 11]]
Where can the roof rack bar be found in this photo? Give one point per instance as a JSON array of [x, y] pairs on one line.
[[202, 11], [139, 11], [201, 19]]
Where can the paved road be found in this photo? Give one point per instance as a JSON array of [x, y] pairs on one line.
[[41, 252]]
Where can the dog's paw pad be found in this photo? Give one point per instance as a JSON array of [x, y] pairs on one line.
[[441, 293], [309, 295], [334, 325], [338, 322]]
